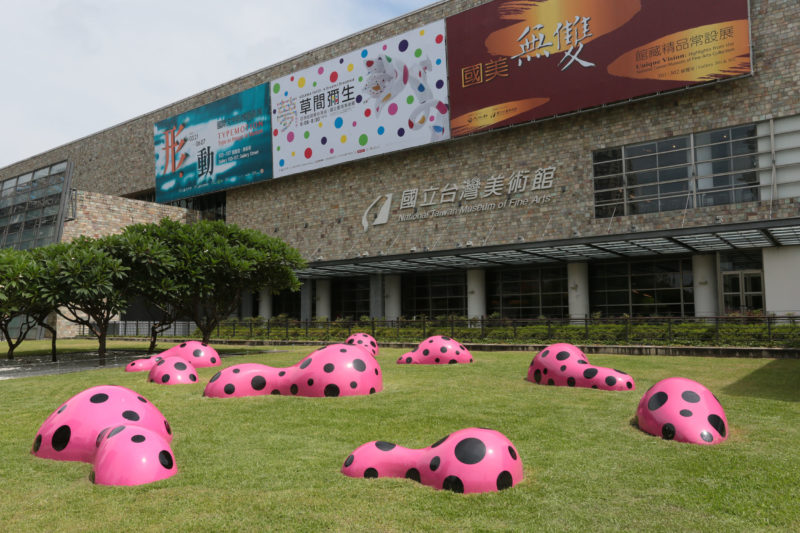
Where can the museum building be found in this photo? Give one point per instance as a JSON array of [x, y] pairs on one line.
[[472, 158]]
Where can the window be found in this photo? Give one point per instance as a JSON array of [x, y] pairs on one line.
[[30, 207], [350, 298], [435, 295], [704, 169], [527, 293]]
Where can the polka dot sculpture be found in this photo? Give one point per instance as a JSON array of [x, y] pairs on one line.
[[469, 460], [563, 364], [173, 370], [132, 455], [142, 365], [199, 354], [70, 432], [437, 350], [335, 370], [683, 410], [363, 340]]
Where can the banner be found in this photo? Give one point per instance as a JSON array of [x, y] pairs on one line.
[[514, 61], [217, 146], [387, 96]]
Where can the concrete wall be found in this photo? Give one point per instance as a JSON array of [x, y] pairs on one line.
[[781, 287]]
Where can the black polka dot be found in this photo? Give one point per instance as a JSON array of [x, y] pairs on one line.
[[512, 452], [215, 378], [717, 423], [594, 386], [657, 400], [100, 437], [350, 341], [426, 352], [452, 362], [164, 378], [353, 384], [376, 372], [611, 381], [142, 399], [180, 366], [99, 398], [293, 389], [213, 359], [229, 388], [629, 385], [545, 353], [160, 362], [504, 480], [544, 371], [166, 426], [436, 360], [138, 438], [685, 412], [281, 373], [360, 341], [37, 443], [385, 446], [445, 338], [582, 362], [563, 367], [690, 396], [413, 473], [668, 431], [551, 382], [537, 375], [435, 462], [182, 345], [328, 368], [192, 377], [258, 383], [310, 382], [237, 370], [443, 349], [562, 356], [453, 483], [589, 373], [165, 458], [197, 353], [133, 416], [349, 460], [706, 436], [571, 381], [115, 431], [439, 442], [359, 365], [372, 390], [470, 451], [370, 473], [275, 392], [305, 363], [331, 390], [408, 359], [61, 409]]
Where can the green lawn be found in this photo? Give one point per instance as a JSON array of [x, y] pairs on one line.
[[272, 462]]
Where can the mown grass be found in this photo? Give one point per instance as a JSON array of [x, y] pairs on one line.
[[272, 462]]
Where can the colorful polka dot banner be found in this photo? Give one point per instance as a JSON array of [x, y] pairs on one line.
[[384, 97]]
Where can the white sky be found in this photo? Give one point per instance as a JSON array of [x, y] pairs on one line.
[[70, 68]]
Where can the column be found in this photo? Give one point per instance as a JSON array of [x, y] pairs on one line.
[[376, 304], [476, 293], [578, 290], [323, 287], [704, 282], [306, 302], [781, 290], [392, 296], [265, 304]]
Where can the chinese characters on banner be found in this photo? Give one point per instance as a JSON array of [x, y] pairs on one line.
[[217, 146], [387, 96], [512, 62]]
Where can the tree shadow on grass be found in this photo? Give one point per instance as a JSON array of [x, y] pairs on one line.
[[777, 380]]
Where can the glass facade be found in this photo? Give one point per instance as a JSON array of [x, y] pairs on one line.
[[434, 294], [528, 292], [712, 168], [642, 288], [30, 207], [350, 298]]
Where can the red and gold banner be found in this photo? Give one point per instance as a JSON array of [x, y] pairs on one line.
[[514, 61]]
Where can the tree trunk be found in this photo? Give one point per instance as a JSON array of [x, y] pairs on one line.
[[101, 349], [53, 354], [7, 337], [206, 335], [153, 338]]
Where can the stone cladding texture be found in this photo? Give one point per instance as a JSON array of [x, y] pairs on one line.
[[320, 212]]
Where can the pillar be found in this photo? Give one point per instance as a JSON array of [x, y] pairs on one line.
[[392, 296], [376, 303], [265, 304], [306, 301], [323, 287], [578, 290], [704, 283], [476, 293]]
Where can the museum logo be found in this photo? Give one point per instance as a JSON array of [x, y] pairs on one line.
[[383, 214]]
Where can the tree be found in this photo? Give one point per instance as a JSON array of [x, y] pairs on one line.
[[151, 274], [217, 261], [85, 284], [20, 299]]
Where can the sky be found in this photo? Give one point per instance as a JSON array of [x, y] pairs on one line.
[[70, 68]]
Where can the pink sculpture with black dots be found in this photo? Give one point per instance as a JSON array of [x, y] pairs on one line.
[[335, 370], [364, 340], [683, 410], [173, 370], [199, 354], [466, 461], [69, 433], [565, 365], [437, 350], [131, 455], [144, 364]]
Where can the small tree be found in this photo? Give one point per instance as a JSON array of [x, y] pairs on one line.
[[85, 284], [217, 261]]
